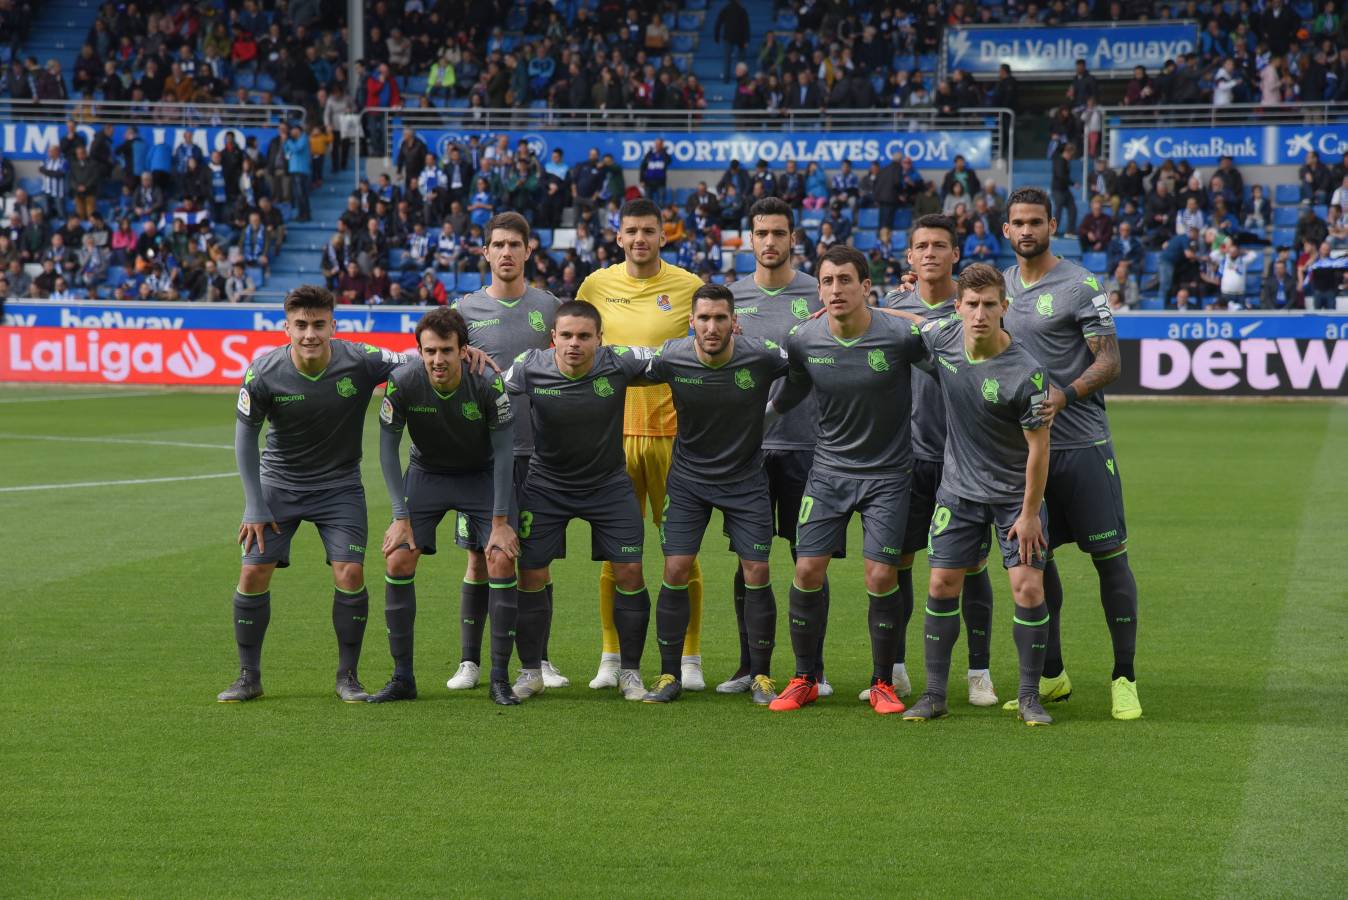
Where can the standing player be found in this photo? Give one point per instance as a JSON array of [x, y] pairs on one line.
[[996, 462], [720, 384], [576, 392], [1060, 313], [462, 439], [859, 366], [767, 306], [505, 318], [314, 391], [932, 254], [645, 302]]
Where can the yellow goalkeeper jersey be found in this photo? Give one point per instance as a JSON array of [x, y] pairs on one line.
[[643, 312]]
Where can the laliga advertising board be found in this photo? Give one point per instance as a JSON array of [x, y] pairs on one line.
[[145, 356]]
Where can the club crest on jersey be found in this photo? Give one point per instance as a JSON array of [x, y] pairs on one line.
[[800, 308], [990, 389], [663, 302], [470, 411], [536, 320], [876, 360], [744, 379], [602, 388], [1043, 304], [345, 387]]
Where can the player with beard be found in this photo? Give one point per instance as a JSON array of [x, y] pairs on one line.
[[1061, 314]]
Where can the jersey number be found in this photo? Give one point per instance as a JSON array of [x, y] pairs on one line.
[[806, 507], [526, 523]]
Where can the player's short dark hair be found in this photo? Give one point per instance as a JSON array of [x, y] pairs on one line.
[[1031, 196], [444, 322], [772, 206], [584, 310], [509, 221], [639, 208], [310, 296], [716, 293], [842, 255], [936, 221], [979, 276]]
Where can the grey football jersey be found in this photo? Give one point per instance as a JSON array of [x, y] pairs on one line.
[[720, 410], [578, 422], [928, 419], [864, 389], [451, 433], [1053, 319], [991, 403], [770, 316], [506, 328], [314, 441]]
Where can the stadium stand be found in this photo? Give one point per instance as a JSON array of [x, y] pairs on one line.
[[73, 60]]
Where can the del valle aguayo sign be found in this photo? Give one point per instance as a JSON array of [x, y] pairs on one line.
[[1033, 51]]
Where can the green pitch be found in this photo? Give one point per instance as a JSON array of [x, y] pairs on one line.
[[122, 776]]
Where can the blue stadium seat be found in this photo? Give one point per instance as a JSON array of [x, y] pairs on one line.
[[1151, 303], [447, 279], [744, 263], [903, 219], [1284, 237], [670, 20], [467, 282], [116, 275], [863, 240], [690, 21], [396, 257], [1285, 215], [1151, 263], [1322, 210], [868, 218], [787, 21], [1287, 193], [905, 63], [927, 62], [544, 237], [683, 42], [1093, 262], [669, 256], [901, 240]]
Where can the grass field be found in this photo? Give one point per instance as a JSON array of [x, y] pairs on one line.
[[122, 777]]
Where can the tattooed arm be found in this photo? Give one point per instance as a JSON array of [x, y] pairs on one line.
[[1098, 375]]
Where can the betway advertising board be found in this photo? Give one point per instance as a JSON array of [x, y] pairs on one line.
[[1294, 354], [715, 149], [1035, 51], [1267, 145], [144, 356]]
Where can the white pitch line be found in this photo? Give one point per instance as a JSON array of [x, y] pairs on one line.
[[66, 398], [92, 484], [98, 440]]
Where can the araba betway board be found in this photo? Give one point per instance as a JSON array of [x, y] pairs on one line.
[[1032, 51]]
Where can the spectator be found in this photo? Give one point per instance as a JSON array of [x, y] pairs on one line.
[[1323, 274], [54, 169], [1280, 288], [655, 171], [1122, 280], [1258, 214], [1140, 90], [1064, 198], [370, 247], [1232, 265], [253, 242], [979, 246], [84, 178], [1179, 250], [1083, 86], [1316, 180], [352, 284], [239, 286], [1124, 248], [92, 264], [1097, 228], [732, 32], [1310, 227], [333, 261], [961, 174]]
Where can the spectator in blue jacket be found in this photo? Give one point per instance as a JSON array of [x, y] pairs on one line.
[[159, 163], [980, 246], [299, 165]]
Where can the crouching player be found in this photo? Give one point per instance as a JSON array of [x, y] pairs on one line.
[[720, 384], [461, 459], [996, 464]]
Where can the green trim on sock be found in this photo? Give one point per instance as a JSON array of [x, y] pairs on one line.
[[806, 590], [1019, 621], [246, 594], [757, 587], [907, 568], [1119, 552], [674, 587], [503, 585], [525, 590], [979, 571], [471, 581], [391, 580], [359, 590], [640, 590], [886, 593], [953, 612], [549, 584]]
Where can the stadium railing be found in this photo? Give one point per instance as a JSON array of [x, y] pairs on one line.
[[380, 124], [100, 112]]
